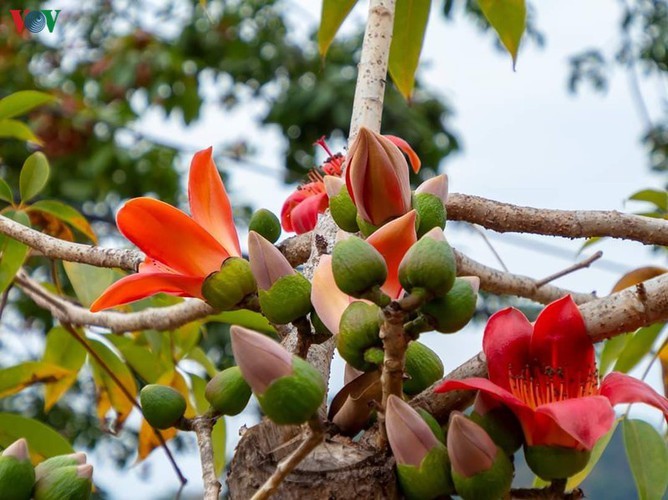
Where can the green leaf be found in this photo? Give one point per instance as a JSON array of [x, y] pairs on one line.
[[43, 441], [596, 453], [410, 24], [218, 437], [63, 350], [34, 174], [612, 348], [89, 281], [244, 317], [198, 355], [637, 347], [6, 192], [648, 458], [65, 213], [145, 363], [508, 18], [184, 339], [13, 253], [198, 387], [18, 377], [657, 197], [21, 102], [333, 13], [17, 130]]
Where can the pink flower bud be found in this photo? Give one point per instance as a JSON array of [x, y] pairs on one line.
[[85, 471], [471, 449], [438, 186], [435, 233], [18, 450], [333, 185], [409, 435], [474, 281], [267, 263]]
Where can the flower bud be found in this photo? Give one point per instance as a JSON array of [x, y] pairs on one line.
[[455, 309], [436, 186], [67, 482], [499, 422], [432, 423], [377, 178], [423, 367], [555, 462], [341, 205], [366, 228], [226, 288], [162, 405], [228, 393], [17, 475], [422, 460], [359, 330], [429, 265], [358, 267], [432, 213], [288, 388], [48, 465], [267, 262], [480, 469], [266, 224]]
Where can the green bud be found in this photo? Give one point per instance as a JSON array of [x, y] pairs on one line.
[[431, 210], [341, 205], [70, 482], [492, 484], [366, 228], [455, 309], [287, 299], [295, 398], [502, 426], [162, 405], [17, 475], [431, 479], [357, 266], [359, 330], [429, 265], [433, 424], [266, 224], [48, 465], [228, 287], [227, 392], [423, 367], [555, 462]]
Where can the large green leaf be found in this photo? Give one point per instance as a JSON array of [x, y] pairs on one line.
[[17, 130], [6, 192], [637, 347], [13, 253], [648, 458], [410, 24], [508, 18], [16, 378], [63, 350], [21, 102], [612, 348], [43, 441], [34, 174], [89, 281], [655, 196], [244, 317], [333, 13], [198, 385], [199, 356], [144, 362], [184, 339], [66, 214], [218, 438]]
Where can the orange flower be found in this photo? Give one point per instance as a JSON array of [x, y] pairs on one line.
[[181, 251]]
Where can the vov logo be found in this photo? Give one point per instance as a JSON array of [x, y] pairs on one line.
[[34, 20]]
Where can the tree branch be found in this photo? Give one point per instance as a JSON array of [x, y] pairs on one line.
[[203, 425]]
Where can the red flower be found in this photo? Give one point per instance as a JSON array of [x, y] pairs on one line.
[[546, 374], [181, 251]]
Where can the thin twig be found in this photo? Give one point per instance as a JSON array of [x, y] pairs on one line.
[[575, 267], [203, 426], [498, 258]]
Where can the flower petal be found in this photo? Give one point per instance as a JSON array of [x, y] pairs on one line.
[[408, 150], [209, 203], [620, 388], [305, 215], [438, 186], [409, 435], [141, 285], [267, 263], [585, 420], [169, 236], [328, 301], [393, 241], [506, 345]]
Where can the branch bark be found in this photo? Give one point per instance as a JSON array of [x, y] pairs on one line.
[[203, 426]]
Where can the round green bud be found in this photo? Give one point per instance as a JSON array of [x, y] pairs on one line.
[[491, 484], [502, 426], [431, 211], [70, 482], [288, 298], [50, 464], [555, 462], [227, 392], [431, 479], [162, 405], [453, 311], [266, 224], [228, 287], [433, 424], [366, 228], [17, 478], [430, 265], [423, 367], [343, 211], [357, 266], [359, 330], [295, 398]]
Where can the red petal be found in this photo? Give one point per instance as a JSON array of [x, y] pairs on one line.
[[506, 345], [405, 147], [560, 340], [169, 236], [393, 241], [209, 203], [141, 285], [585, 420], [304, 216], [620, 388]]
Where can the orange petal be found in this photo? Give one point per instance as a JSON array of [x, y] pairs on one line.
[[140, 285], [209, 204], [328, 301], [405, 147], [169, 236], [393, 241]]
